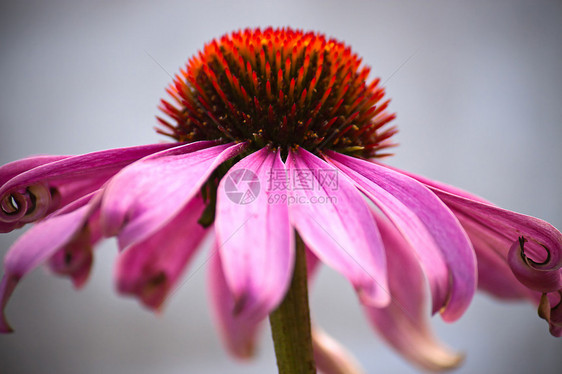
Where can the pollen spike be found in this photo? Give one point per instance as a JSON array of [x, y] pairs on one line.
[[268, 90], [329, 123], [278, 60], [291, 89], [267, 71], [252, 54], [306, 64], [271, 115], [303, 98], [262, 61], [245, 95], [287, 69], [311, 89], [281, 98], [257, 104], [255, 81], [300, 78]]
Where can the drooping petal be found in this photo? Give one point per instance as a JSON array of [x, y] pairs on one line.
[[543, 247], [439, 185], [150, 268], [75, 259], [43, 241], [331, 357], [544, 240], [253, 231], [531, 247], [490, 244], [404, 323], [237, 330], [51, 182], [441, 244], [333, 219], [147, 194]]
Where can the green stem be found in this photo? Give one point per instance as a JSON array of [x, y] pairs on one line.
[[290, 322]]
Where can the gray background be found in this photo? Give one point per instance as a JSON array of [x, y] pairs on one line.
[[478, 103]]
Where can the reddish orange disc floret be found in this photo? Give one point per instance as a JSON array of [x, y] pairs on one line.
[[279, 87]]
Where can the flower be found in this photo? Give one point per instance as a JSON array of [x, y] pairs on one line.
[[277, 132]]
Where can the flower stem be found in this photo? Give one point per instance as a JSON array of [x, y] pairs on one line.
[[290, 322]]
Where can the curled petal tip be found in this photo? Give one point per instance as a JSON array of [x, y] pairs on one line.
[[367, 297], [331, 357], [443, 359], [5, 328], [245, 351], [550, 309], [7, 286], [151, 289], [238, 331], [154, 292], [81, 275], [525, 270], [239, 303], [544, 308], [75, 259], [79, 280], [556, 331], [556, 315]]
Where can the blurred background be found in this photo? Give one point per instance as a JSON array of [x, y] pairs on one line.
[[477, 87]]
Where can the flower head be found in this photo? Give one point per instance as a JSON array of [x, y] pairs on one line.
[[281, 88], [277, 134]]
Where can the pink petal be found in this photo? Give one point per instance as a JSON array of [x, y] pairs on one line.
[[335, 223], [51, 182], [141, 198], [238, 330], [544, 242], [312, 263], [494, 274], [441, 244], [149, 269], [75, 259], [12, 169], [43, 241], [259, 273], [536, 264], [404, 323], [439, 185], [331, 357]]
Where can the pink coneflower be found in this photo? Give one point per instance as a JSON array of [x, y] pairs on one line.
[[278, 137]]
